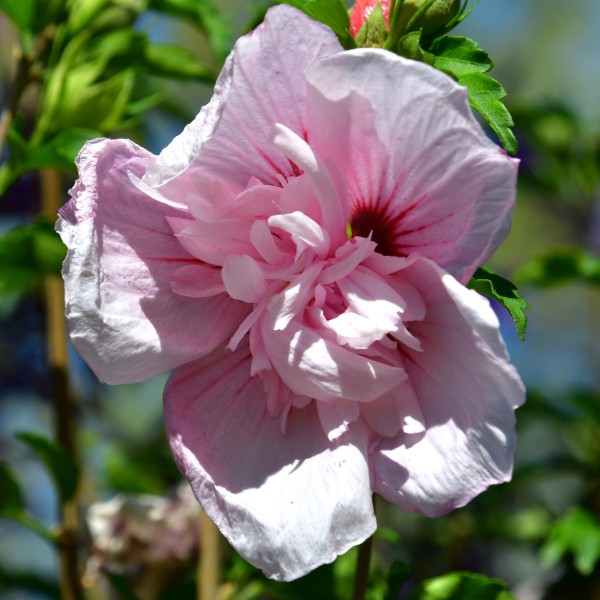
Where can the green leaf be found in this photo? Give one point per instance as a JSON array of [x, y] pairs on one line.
[[11, 499], [27, 253], [57, 153], [491, 285], [461, 586], [578, 532], [332, 13], [83, 12], [204, 14], [410, 46], [12, 507], [79, 92], [69, 142], [20, 12], [485, 95], [458, 56], [462, 59], [60, 465], [172, 61], [397, 575], [561, 265]]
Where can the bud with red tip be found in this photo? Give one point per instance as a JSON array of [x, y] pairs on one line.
[[362, 10]]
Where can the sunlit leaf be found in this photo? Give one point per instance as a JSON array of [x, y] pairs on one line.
[[461, 586], [491, 285], [458, 56], [82, 13], [577, 532], [485, 95]]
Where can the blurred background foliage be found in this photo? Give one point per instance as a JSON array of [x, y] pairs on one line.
[[71, 71]]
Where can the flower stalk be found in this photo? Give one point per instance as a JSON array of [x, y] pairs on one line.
[[363, 562], [209, 562]]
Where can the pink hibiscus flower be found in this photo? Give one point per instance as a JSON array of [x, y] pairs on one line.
[[298, 255]]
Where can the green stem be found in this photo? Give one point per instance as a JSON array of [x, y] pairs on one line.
[[363, 564], [394, 20], [414, 20]]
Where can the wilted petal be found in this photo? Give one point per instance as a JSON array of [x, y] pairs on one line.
[[467, 390], [286, 502], [123, 316]]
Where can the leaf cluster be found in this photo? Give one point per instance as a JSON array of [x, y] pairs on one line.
[[96, 71]]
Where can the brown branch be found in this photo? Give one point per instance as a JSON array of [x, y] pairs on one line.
[[64, 406]]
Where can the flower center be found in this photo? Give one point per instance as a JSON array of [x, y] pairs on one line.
[[375, 220]]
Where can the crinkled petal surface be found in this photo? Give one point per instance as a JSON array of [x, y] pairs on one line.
[[123, 315], [467, 390], [419, 170], [287, 502], [267, 86]]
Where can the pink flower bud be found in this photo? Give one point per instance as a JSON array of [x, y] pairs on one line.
[[361, 12]]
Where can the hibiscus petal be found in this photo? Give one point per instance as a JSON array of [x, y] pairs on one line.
[[286, 502], [197, 281], [419, 169], [336, 417], [395, 411], [243, 278], [123, 317], [305, 232], [313, 366], [467, 390], [266, 86]]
